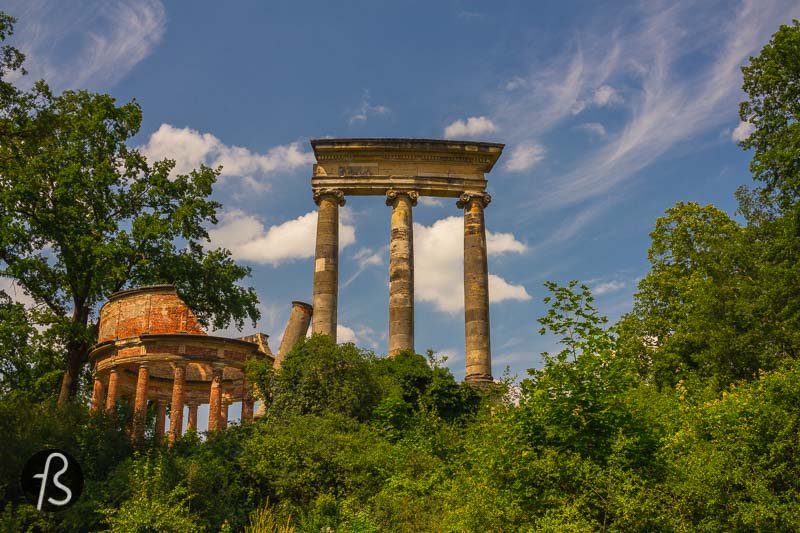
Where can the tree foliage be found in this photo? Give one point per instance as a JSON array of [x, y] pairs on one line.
[[83, 215]]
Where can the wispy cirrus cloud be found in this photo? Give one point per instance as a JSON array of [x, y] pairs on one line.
[[674, 76], [84, 45], [366, 109]]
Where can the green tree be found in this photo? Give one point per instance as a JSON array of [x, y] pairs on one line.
[[772, 84], [82, 215], [695, 313]]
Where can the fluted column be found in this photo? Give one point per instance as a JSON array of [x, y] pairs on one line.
[[476, 288], [326, 262], [161, 419], [191, 422], [140, 402], [296, 329], [215, 399], [113, 387], [401, 271], [98, 391], [176, 409], [247, 402]]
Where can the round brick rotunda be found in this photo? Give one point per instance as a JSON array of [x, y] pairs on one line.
[[150, 347]]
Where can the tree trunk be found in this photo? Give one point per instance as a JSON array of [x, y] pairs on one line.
[[76, 355]]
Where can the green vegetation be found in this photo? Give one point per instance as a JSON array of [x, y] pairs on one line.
[[683, 416]]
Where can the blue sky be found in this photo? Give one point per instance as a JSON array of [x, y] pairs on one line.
[[610, 112]]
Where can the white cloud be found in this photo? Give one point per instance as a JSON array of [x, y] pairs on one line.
[[247, 238], [345, 334], [742, 131], [608, 286], [524, 156], [365, 110], [605, 95], [191, 148], [86, 45], [594, 128], [438, 265], [473, 127], [430, 201]]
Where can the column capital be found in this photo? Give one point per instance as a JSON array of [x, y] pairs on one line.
[[392, 194], [338, 194], [466, 197]]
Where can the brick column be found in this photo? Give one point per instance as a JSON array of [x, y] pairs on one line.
[[215, 399], [401, 271], [476, 288], [191, 423], [247, 402], [98, 392], [296, 329], [176, 409], [223, 414], [161, 419], [326, 262], [113, 387], [140, 403]]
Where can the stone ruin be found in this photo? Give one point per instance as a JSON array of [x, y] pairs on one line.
[[151, 348]]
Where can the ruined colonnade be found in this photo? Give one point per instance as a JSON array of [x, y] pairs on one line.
[[403, 170]]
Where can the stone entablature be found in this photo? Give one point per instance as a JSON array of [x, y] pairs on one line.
[[430, 167]]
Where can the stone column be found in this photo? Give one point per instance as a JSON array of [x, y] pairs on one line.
[[98, 392], [140, 403], [476, 288], [401, 271], [111, 393], [223, 414], [161, 419], [262, 407], [215, 399], [247, 402], [296, 329], [191, 423], [326, 262], [176, 409]]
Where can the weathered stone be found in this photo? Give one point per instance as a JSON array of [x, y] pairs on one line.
[[326, 262], [401, 271], [98, 390], [476, 288], [140, 402], [215, 399], [113, 386], [247, 402], [296, 329], [176, 409], [191, 422], [402, 168], [223, 415]]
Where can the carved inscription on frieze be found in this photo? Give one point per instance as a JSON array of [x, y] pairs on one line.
[[355, 171]]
